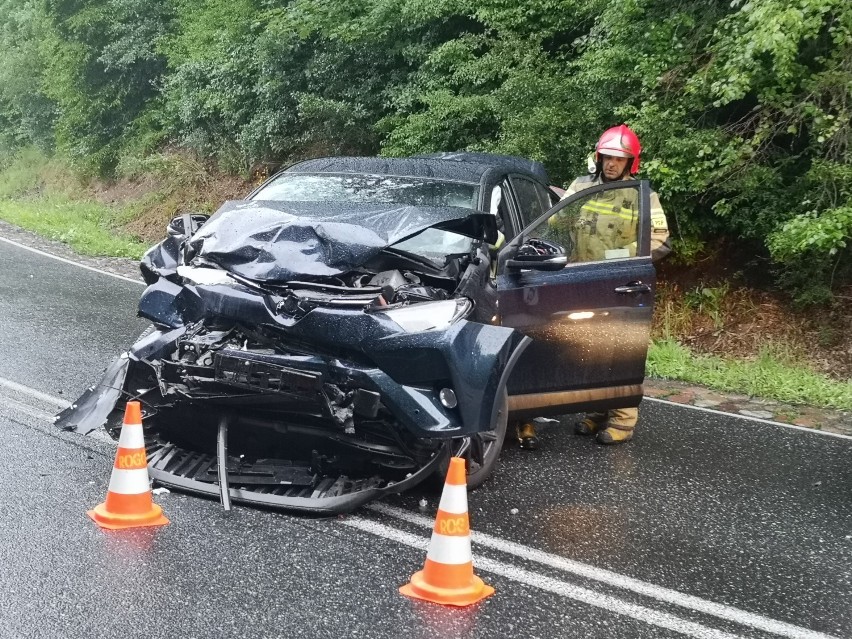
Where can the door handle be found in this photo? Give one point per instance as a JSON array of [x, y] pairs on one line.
[[633, 287]]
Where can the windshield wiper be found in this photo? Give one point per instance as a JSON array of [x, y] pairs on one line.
[[414, 257]]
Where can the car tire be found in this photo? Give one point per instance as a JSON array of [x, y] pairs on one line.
[[491, 441]]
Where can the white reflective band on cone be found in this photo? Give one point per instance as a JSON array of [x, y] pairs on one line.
[[129, 482], [454, 499], [449, 550], [132, 436]]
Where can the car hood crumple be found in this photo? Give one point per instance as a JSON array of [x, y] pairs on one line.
[[282, 241]]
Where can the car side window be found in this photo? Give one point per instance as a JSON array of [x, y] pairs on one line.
[[602, 226], [529, 202]]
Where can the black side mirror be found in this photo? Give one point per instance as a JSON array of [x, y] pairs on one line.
[[539, 255], [184, 226]]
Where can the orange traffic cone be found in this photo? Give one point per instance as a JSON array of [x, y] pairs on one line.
[[128, 502], [447, 576]]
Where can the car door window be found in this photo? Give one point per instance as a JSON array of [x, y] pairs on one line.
[[602, 226], [529, 203]]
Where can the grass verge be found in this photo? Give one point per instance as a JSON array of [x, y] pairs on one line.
[[86, 227], [766, 376], [43, 196]]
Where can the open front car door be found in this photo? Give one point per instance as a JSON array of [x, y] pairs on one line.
[[579, 281]]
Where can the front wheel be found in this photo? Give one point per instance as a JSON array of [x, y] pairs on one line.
[[481, 450]]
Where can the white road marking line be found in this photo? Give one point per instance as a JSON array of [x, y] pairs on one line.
[[72, 262], [667, 595], [561, 588], [729, 613], [748, 418], [32, 411], [26, 409], [26, 390]]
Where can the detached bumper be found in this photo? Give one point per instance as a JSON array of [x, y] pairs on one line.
[[276, 484]]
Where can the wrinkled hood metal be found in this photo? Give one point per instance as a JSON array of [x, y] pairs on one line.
[[281, 241]]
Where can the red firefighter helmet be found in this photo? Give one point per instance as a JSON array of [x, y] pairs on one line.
[[620, 142]]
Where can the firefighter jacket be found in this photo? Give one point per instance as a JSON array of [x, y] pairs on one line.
[[609, 222]]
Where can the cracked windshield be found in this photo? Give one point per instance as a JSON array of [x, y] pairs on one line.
[[433, 244]]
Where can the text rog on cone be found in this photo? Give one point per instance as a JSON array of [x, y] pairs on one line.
[[128, 502], [447, 576]]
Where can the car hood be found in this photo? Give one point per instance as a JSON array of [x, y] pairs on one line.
[[282, 241]]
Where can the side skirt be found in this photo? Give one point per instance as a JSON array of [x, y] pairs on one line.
[[575, 401]]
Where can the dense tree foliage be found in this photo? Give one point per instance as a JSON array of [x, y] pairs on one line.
[[27, 114], [744, 107]]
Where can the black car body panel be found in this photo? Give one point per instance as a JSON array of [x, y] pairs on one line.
[[470, 172], [288, 487], [364, 349]]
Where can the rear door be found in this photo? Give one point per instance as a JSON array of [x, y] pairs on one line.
[[589, 321]]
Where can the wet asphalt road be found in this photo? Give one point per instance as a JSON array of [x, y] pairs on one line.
[[703, 526]]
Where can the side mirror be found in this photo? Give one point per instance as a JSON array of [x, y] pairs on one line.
[[184, 226], [539, 255]]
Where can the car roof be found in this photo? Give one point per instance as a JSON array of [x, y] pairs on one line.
[[510, 163], [452, 167]]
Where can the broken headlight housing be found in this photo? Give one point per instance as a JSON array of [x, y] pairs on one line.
[[429, 316]]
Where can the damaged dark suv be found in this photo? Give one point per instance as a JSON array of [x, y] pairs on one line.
[[354, 322]]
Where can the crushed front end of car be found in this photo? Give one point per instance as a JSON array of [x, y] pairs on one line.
[[297, 360]]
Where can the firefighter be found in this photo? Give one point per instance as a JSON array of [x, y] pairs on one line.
[[607, 229]]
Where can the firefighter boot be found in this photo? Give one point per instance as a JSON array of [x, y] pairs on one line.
[[527, 438], [619, 426], [591, 424]]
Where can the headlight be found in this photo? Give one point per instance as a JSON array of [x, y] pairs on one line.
[[427, 316]]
